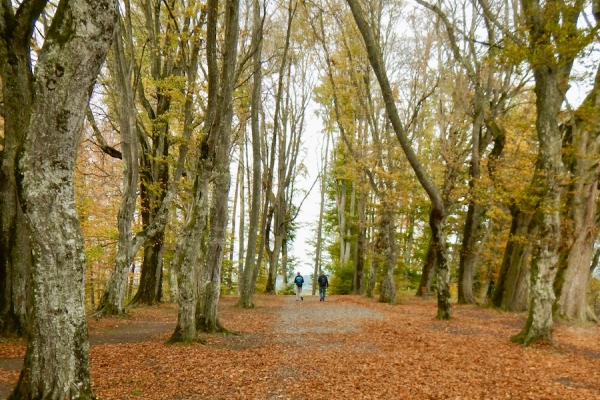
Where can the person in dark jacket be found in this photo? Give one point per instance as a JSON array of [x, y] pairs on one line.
[[299, 281], [323, 285]]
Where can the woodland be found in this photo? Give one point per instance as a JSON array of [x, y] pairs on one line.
[[155, 163]]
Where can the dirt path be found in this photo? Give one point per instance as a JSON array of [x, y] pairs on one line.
[[345, 348]]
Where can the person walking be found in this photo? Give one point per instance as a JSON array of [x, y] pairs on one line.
[[323, 285], [299, 281]]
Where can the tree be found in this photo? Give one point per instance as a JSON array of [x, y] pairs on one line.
[[56, 363], [16, 29], [438, 212], [554, 42], [582, 144], [199, 312], [250, 272]]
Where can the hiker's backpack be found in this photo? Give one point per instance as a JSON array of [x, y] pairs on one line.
[[299, 281], [322, 280]]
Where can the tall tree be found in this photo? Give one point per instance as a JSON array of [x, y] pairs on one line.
[[553, 43], [582, 145], [248, 277], [56, 362], [16, 29], [438, 211], [207, 316], [200, 311]]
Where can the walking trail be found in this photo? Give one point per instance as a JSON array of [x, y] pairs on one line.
[[347, 347]]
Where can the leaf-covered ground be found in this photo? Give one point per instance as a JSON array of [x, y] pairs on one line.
[[345, 348]]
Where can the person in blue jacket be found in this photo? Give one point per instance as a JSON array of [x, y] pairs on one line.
[[299, 281], [323, 285]]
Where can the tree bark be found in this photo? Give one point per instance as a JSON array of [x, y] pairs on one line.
[[248, 280], [548, 179], [186, 328], [583, 143], [220, 175], [241, 239], [320, 223], [428, 271], [16, 260], [279, 129], [359, 262], [511, 291], [57, 358], [390, 248], [114, 295]]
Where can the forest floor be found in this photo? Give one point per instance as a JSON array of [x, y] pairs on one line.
[[348, 347]]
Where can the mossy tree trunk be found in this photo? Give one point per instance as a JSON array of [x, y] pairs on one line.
[[248, 276], [551, 66], [511, 292], [208, 319], [17, 95], [582, 139], [112, 301], [57, 357], [428, 270], [390, 249]]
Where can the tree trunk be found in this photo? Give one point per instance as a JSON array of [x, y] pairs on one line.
[[150, 290], [390, 248], [113, 299], [221, 176], [438, 209], [467, 256], [320, 223], [583, 143], [189, 249], [248, 279], [511, 289], [547, 179], [429, 269], [279, 229], [240, 269], [340, 200], [436, 222], [17, 94], [359, 262], [570, 285], [407, 256], [57, 358], [240, 175], [375, 261]]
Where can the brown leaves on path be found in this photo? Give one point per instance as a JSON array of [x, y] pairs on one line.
[[345, 348]]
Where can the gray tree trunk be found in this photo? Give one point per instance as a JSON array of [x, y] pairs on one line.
[[241, 239], [359, 261], [512, 287], [17, 95], [547, 180], [583, 138], [114, 294], [248, 280], [390, 249], [279, 129], [220, 175], [57, 359], [428, 270], [113, 299], [551, 66], [320, 223], [186, 328], [189, 249]]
